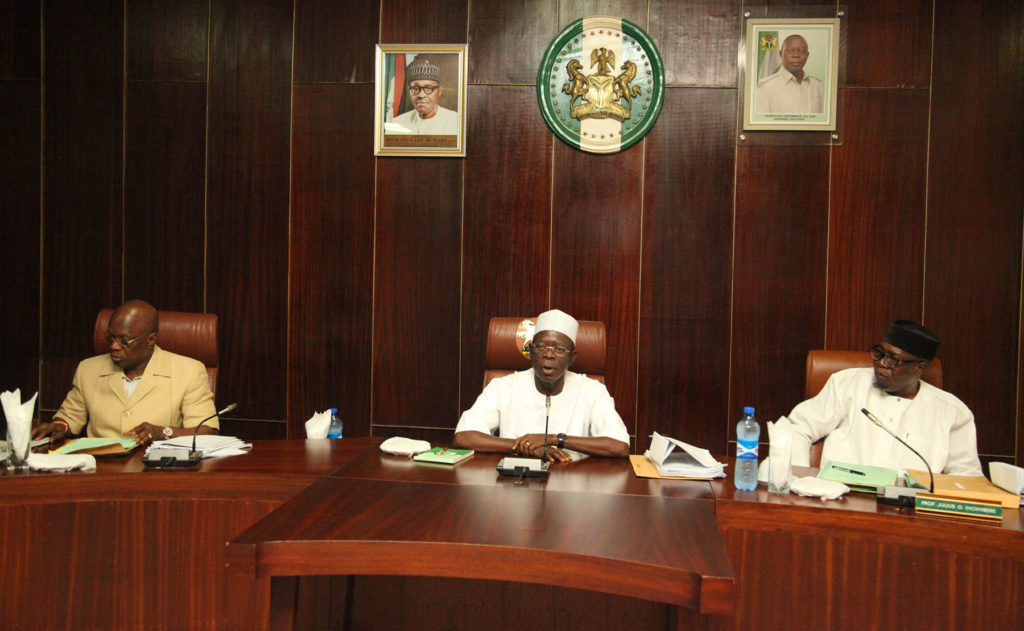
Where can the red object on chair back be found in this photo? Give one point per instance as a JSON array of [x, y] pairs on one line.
[[504, 357], [821, 365], [191, 334]]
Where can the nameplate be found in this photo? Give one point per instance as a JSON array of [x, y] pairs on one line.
[[957, 506]]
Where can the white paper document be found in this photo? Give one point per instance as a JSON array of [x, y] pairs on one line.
[[208, 445], [675, 458], [1007, 477]]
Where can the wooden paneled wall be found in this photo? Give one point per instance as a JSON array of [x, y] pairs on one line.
[[218, 155]]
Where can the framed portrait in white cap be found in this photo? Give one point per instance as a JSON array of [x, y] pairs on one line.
[[420, 100]]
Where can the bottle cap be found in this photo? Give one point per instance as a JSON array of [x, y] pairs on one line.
[[748, 410], [334, 410]]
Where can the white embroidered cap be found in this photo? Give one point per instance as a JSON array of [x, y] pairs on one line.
[[558, 321]]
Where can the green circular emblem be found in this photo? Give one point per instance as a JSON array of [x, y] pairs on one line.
[[601, 84]]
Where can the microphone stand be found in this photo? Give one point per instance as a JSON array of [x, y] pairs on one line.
[[529, 467], [900, 497], [162, 457]]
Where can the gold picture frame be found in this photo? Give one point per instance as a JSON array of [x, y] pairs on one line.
[[802, 97], [407, 120]]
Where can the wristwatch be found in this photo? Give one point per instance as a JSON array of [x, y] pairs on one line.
[[561, 440], [168, 432]]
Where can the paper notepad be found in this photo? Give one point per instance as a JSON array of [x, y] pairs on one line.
[[859, 477]]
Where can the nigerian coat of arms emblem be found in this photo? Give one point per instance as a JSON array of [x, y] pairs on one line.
[[601, 84]]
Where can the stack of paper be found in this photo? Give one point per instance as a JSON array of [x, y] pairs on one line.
[[207, 445], [686, 461]]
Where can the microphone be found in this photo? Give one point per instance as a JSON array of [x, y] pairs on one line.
[[193, 455], [900, 495], [165, 457], [547, 417], [529, 467]]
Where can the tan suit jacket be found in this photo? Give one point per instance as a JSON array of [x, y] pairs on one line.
[[174, 391]]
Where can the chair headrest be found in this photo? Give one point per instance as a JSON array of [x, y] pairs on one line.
[[190, 334], [505, 340]]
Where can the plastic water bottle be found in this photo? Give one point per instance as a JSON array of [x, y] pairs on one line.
[[747, 433], [334, 431]]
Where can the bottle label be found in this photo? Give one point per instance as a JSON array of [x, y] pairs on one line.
[[746, 449]]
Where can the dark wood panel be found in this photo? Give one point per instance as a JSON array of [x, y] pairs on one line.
[[697, 41], [888, 43], [82, 208], [423, 21], [506, 222], [19, 222], [876, 232], [247, 208], [636, 11], [595, 254], [416, 292], [498, 606], [19, 40], [687, 244], [334, 41], [330, 326], [165, 203], [508, 39], [779, 275], [167, 40], [976, 176]]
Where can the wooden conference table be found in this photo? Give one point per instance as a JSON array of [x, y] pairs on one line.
[[363, 540], [590, 544]]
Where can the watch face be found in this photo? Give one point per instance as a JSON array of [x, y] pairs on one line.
[[168, 432]]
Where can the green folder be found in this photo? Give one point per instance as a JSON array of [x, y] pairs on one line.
[[859, 477], [113, 445]]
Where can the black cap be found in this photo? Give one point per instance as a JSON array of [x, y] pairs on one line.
[[911, 337]]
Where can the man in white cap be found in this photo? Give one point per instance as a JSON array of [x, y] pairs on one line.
[[423, 80], [933, 421], [581, 417]]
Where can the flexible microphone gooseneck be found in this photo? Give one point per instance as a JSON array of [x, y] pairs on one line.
[[547, 417], [874, 419], [192, 454]]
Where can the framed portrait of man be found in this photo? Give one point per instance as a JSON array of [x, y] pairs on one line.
[[420, 100], [791, 78]]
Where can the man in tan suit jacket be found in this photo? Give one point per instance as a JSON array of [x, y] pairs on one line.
[[137, 389]]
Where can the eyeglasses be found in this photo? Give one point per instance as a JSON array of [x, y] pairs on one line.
[[123, 341], [541, 348], [425, 89], [887, 360]]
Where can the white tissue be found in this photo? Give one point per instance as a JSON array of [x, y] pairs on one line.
[[318, 424], [19, 421], [401, 446], [819, 487], [62, 462]]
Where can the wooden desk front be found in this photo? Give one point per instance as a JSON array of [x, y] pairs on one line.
[[124, 548], [852, 563]]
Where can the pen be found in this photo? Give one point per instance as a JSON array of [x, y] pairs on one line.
[[854, 471]]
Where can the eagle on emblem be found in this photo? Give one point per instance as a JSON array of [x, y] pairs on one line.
[[600, 95]]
